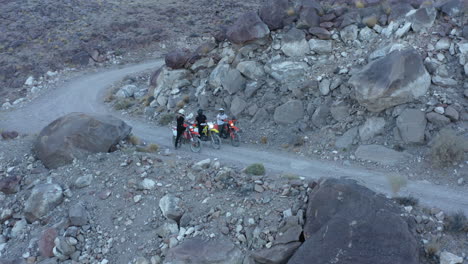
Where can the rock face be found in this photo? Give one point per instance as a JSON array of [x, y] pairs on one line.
[[76, 135], [248, 27], [395, 79], [43, 199], [411, 125], [195, 250], [381, 154], [347, 223], [289, 112]]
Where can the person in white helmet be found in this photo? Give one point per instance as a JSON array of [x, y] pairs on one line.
[[180, 118], [220, 119]]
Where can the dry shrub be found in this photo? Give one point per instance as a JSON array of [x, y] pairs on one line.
[[123, 104], [360, 4], [151, 148], [448, 148], [432, 249], [457, 222], [166, 118], [370, 21], [290, 176], [134, 140], [186, 99], [407, 200], [264, 140], [291, 12], [180, 105], [146, 101], [397, 182], [255, 169]]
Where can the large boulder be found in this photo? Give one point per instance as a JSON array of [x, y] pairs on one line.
[[251, 69], [294, 43], [371, 128], [237, 106], [171, 80], [381, 154], [422, 19], [398, 78], [347, 223], [411, 126], [282, 71], [289, 113], [275, 14], [43, 200], [248, 27], [177, 59], [76, 135], [196, 250], [233, 81]]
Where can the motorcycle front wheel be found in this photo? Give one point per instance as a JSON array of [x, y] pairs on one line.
[[235, 139], [196, 144], [215, 141]]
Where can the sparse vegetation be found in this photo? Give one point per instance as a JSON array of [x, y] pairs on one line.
[[397, 182], [186, 99], [432, 249], [151, 148], [166, 118], [134, 140], [407, 200], [290, 176], [457, 222], [447, 148], [180, 105], [123, 104], [264, 140], [360, 4], [255, 169], [291, 12]]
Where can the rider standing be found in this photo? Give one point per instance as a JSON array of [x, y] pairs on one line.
[[220, 119], [201, 122], [180, 117]]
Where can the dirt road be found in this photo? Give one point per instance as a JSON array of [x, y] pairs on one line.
[[85, 94]]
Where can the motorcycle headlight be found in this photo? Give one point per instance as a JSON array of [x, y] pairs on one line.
[[210, 126], [232, 124]]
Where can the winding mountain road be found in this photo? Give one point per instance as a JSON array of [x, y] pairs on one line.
[[86, 93]]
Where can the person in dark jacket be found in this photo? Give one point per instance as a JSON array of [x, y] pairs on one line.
[[201, 123], [180, 126]]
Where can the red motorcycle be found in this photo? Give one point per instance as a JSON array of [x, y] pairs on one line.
[[190, 135], [231, 131]]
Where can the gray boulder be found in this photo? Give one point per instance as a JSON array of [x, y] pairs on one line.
[[274, 14], [289, 113], [78, 215], [411, 126], [177, 59], [217, 75], [294, 43], [171, 80], [324, 86], [339, 110], [10, 184], [347, 223], [260, 116], [277, 254], [287, 70], [170, 206], [127, 91], [320, 33], [251, 69], [371, 128], [437, 119], [398, 78], [251, 88], [43, 200], [308, 17], [233, 81], [237, 106], [248, 27], [381, 154], [453, 8], [196, 250], [347, 139], [422, 19], [320, 116], [349, 33], [452, 113], [320, 46], [77, 135], [444, 81]]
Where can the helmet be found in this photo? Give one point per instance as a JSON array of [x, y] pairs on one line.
[[200, 111], [221, 110], [181, 111]]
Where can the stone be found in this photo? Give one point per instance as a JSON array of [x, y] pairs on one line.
[[444, 82], [381, 154], [76, 135], [171, 80], [167, 229], [43, 200], [274, 14], [403, 30], [422, 19], [324, 87], [287, 70], [453, 8], [251, 88], [233, 81], [247, 28], [347, 139], [277, 254], [176, 59], [9, 135], [320, 33], [251, 69], [320, 116], [238, 105], [18, 228], [367, 34], [147, 184], [63, 250], [260, 116], [217, 75], [196, 250], [77, 215], [29, 81], [437, 119], [170, 207], [442, 44], [449, 258], [308, 17], [294, 43], [289, 113], [84, 181], [452, 113], [349, 33], [411, 124], [439, 110], [141, 260], [339, 111], [10, 184], [292, 234], [201, 165], [398, 78], [127, 91], [46, 242], [372, 127], [320, 46], [348, 223]]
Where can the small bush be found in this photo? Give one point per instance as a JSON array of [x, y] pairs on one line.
[[151, 148], [180, 105], [255, 169], [397, 182], [447, 148], [123, 104], [290, 176], [291, 12], [186, 99], [360, 4], [457, 223], [166, 118], [134, 140], [407, 200], [432, 249], [264, 140]]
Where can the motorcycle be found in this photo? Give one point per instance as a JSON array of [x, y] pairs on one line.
[[210, 131], [232, 131], [190, 135]]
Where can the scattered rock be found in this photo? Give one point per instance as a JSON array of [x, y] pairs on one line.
[[78, 215], [349, 33], [202, 165], [412, 126], [372, 127], [177, 59], [170, 207], [277, 254], [347, 139], [84, 181], [444, 81], [381, 154], [251, 69], [127, 91], [294, 43], [451, 113], [10, 184], [46, 242], [248, 27], [437, 119], [9, 134], [274, 14], [238, 105], [449, 258], [289, 112], [320, 46], [320, 33], [233, 81], [422, 19], [43, 199]]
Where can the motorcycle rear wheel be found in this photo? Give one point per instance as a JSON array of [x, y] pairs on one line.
[[235, 139], [195, 145], [215, 141]]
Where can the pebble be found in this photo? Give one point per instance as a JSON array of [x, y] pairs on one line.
[[137, 198], [259, 188], [439, 110], [460, 181]]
